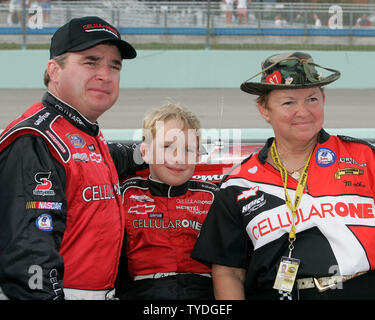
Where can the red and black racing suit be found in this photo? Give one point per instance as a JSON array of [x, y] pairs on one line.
[[60, 204], [162, 225], [249, 223]]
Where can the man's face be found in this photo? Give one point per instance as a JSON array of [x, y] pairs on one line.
[[89, 80]]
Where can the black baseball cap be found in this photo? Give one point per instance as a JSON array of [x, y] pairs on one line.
[[86, 32]]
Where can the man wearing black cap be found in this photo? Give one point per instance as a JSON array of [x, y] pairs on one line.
[[61, 225]]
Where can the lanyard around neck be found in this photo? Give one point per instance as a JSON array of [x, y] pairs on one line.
[[299, 191]]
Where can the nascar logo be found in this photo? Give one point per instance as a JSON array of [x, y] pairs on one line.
[[43, 205]]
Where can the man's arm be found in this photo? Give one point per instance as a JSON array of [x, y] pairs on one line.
[[33, 211], [127, 159], [228, 282]]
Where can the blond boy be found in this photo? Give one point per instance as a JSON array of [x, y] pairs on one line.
[[165, 212]]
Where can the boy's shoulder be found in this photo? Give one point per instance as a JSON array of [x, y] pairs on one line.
[[143, 183], [136, 182], [202, 185]]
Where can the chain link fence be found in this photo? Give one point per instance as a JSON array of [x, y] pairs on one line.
[[204, 21]]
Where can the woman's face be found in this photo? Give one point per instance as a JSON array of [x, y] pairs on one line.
[[296, 115]]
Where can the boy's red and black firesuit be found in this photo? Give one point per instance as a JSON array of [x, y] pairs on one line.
[[162, 225], [249, 223], [60, 204]]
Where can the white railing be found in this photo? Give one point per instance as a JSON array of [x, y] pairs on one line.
[[133, 13], [206, 15]]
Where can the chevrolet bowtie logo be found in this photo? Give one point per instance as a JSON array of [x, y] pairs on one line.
[[141, 209]]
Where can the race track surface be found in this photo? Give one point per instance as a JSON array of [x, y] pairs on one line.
[[217, 108]]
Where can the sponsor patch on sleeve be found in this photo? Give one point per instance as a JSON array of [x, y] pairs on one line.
[[44, 222]]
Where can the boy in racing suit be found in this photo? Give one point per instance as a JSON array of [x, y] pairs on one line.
[[164, 213]]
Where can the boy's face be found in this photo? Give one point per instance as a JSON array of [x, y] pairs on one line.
[[173, 153]]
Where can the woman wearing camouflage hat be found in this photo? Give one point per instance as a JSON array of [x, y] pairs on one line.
[[295, 220]]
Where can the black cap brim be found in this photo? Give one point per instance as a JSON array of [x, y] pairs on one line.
[[126, 49]]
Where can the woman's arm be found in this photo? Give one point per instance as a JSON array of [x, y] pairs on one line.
[[228, 282]]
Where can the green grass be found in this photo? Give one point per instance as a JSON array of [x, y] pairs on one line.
[[182, 46], [15, 46], [289, 47]]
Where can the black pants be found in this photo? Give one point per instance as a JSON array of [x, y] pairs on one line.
[[178, 287]]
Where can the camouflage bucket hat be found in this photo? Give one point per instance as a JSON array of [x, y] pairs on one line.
[[293, 70]]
